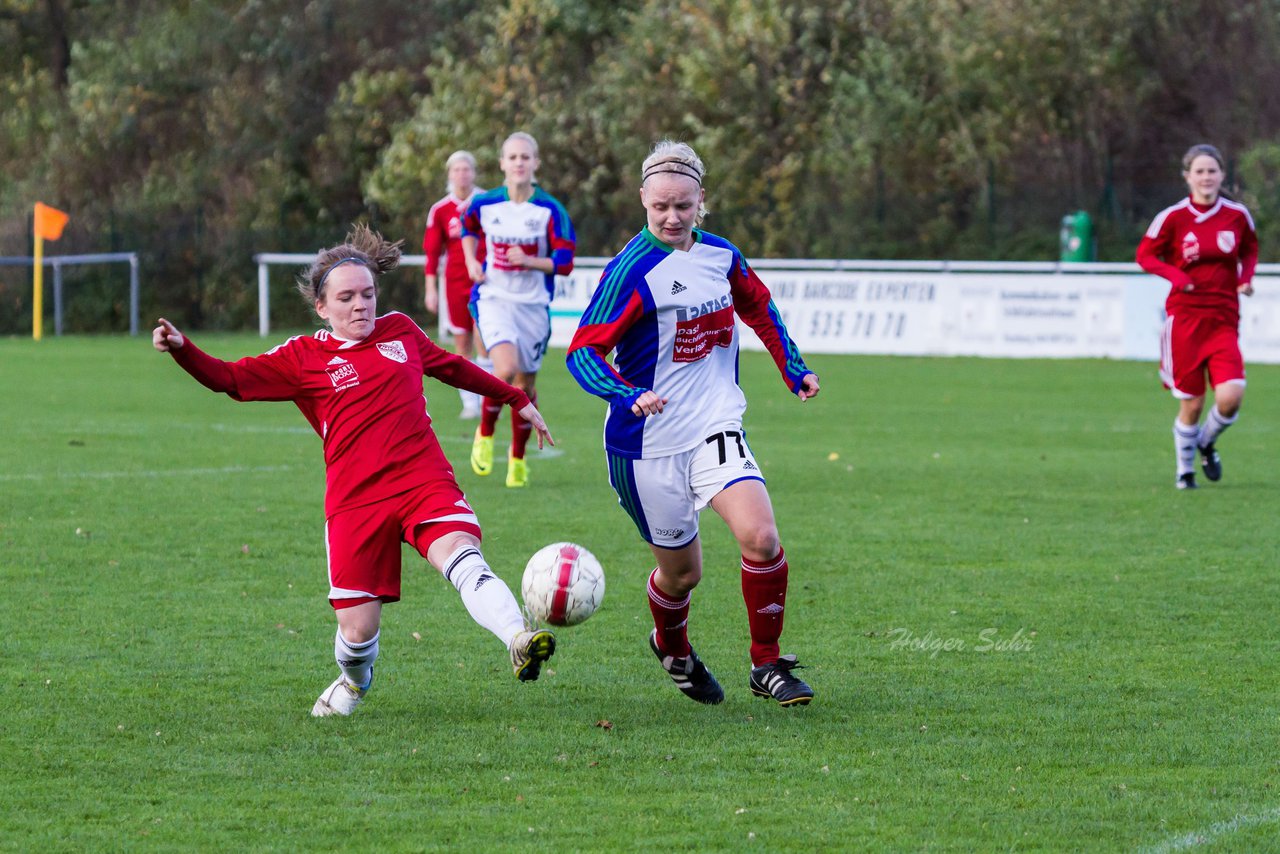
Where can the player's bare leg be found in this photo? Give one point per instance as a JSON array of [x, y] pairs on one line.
[[517, 468], [505, 365], [747, 510], [670, 587], [1227, 398], [1186, 436], [463, 345], [356, 649], [489, 601]]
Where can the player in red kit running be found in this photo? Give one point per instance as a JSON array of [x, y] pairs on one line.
[[359, 385], [443, 238], [1207, 248]]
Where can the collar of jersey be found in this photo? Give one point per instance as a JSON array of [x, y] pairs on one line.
[[666, 247]]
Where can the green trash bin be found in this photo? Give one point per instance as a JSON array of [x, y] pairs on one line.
[[1076, 237]]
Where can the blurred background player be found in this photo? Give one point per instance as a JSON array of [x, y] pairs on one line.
[[443, 237], [359, 385], [673, 433], [1207, 247], [528, 241]]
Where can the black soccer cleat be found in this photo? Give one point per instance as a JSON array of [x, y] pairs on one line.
[[1211, 462], [775, 680], [689, 673], [1186, 481]]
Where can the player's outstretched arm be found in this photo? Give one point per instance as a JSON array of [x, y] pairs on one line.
[[166, 336], [531, 414], [808, 387]]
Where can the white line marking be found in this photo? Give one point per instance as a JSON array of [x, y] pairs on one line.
[[1213, 832], [115, 475]]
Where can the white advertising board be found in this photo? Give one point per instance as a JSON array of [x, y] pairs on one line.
[[1113, 313]]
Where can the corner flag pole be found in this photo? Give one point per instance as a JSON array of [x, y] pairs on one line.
[[49, 223], [37, 296]]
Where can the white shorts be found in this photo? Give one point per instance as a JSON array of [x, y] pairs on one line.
[[526, 325], [664, 495]]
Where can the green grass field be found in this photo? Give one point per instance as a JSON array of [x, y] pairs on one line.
[[1021, 636]]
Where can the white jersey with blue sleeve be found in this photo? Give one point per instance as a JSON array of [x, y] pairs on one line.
[[540, 227], [668, 315]]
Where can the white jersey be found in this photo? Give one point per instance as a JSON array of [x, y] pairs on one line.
[[540, 227], [669, 315]]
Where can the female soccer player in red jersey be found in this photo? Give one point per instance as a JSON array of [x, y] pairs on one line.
[[443, 238], [1207, 248], [359, 385], [528, 240], [667, 307]]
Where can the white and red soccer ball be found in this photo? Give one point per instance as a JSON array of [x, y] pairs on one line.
[[563, 584]]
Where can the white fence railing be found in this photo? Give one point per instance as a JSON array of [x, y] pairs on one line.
[[953, 308]]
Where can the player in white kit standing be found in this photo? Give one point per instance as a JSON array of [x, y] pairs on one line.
[[359, 385], [528, 241], [674, 440]]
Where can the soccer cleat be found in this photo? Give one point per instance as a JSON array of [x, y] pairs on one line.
[[340, 698], [528, 650], [775, 680], [1187, 481], [517, 472], [1211, 462], [482, 454], [689, 673]]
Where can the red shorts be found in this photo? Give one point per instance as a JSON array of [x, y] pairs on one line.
[[457, 294], [1192, 344], [363, 543]]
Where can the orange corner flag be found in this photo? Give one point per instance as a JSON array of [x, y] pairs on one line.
[[49, 222]]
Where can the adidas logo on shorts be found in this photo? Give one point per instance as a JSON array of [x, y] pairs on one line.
[[749, 466]]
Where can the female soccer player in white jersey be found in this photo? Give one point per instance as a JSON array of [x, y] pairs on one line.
[[1207, 248], [443, 238], [528, 241], [359, 385], [673, 433]]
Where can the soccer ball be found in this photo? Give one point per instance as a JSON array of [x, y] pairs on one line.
[[563, 584]]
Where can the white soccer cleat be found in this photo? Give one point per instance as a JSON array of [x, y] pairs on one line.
[[340, 698]]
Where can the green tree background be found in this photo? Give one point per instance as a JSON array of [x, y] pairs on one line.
[[199, 133]]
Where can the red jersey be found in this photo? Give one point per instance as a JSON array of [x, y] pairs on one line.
[[443, 235], [364, 399], [1213, 248]]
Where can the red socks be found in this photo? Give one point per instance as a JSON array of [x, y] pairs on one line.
[[670, 618], [764, 589], [520, 430], [490, 409]]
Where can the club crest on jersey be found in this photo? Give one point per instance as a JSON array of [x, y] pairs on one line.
[[1226, 240], [342, 373], [393, 350]]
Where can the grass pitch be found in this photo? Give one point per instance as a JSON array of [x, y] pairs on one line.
[[1021, 636]]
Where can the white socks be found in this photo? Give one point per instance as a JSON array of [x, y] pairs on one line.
[[356, 659], [487, 597], [1213, 426], [1184, 445]]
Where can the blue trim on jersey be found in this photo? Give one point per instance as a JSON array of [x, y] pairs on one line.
[[585, 367], [623, 480]]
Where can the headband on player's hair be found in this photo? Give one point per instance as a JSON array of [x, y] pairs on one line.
[[336, 265], [673, 166]]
